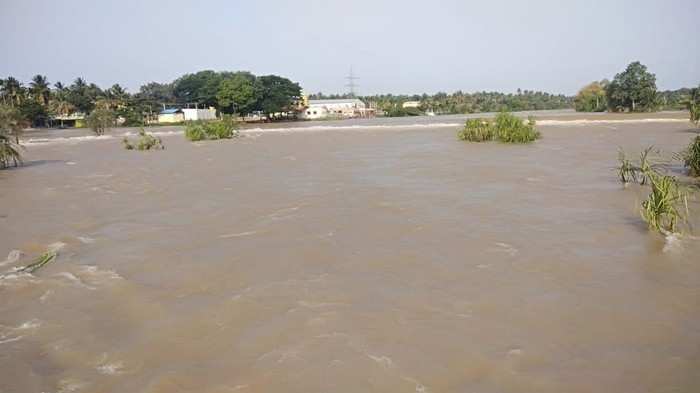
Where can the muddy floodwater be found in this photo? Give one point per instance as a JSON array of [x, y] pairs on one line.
[[365, 256]]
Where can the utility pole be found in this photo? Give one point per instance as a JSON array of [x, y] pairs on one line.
[[351, 78]]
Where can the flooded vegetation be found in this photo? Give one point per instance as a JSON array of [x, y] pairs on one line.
[[370, 255]]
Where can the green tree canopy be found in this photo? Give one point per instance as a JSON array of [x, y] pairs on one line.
[[201, 88], [633, 90], [592, 98], [237, 93], [276, 94]]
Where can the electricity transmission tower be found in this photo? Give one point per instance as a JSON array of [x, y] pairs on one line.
[[351, 78]]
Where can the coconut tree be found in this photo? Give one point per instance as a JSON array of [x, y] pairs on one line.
[[12, 91], [10, 128], [39, 88]]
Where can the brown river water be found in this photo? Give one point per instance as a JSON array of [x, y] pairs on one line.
[[365, 256]]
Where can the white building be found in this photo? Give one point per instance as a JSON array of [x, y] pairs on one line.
[[410, 104], [199, 114], [340, 108]]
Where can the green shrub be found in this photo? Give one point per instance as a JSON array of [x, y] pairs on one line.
[[144, 142], [512, 129], [506, 128], [691, 157], [225, 128], [100, 120], [476, 130]]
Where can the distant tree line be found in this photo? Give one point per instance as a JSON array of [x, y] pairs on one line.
[[229, 92], [632, 90], [460, 102]]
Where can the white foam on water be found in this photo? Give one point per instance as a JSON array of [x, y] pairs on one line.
[[584, 122], [67, 140], [114, 368], [31, 324], [383, 361], [354, 127], [86, 240], [673, 243], [318, 304], [506, 248], [9, 340], [12, 257], [70, 385], [45, 296], [231, 235], [96, 273], [75, 281], [55, 247]]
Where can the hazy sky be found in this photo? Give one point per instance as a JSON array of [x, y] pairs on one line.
[[400, 46]]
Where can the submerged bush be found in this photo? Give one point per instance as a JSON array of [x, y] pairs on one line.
[[691, 157], [512, 129], [476, 130], [506, 128], [100, 120], [144, 142], [225, 128]]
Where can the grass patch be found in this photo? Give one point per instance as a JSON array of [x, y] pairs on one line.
[[225, 128], [505, 128], [145, 141]]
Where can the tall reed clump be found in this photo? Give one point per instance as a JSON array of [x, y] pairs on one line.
[[225, 128], [649, 162], [662, 208], [505, 128], [691, 157], [145, 141], [667, 203]]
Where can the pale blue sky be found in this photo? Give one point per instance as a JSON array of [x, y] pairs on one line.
[[400, 46]]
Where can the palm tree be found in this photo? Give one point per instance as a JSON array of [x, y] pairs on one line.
[[12, 90], [10, 125], [39, 87]]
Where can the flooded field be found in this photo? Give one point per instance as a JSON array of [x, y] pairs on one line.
[[375, 256]]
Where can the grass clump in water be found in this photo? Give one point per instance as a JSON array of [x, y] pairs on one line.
[[505, 128], [691, 157], [476, 130], [667, 203], [145, 141], [225, 128], [512, 129], [629, 172], [661, 208]]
